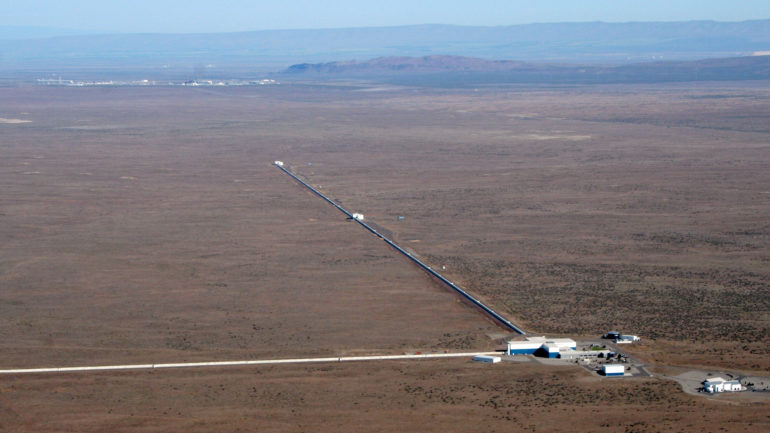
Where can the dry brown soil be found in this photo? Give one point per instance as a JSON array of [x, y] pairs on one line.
[[423, 396], [148, 225], [578, 211]]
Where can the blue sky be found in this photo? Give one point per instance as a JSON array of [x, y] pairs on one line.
[[188, 16]]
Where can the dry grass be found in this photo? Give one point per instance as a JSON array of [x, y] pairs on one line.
[[170, 237], [406, 397]]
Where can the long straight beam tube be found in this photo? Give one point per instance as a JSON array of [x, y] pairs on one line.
[[507, 323], [241, 363]]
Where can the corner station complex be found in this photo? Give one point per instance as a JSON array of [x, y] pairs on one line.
[[545, 347]]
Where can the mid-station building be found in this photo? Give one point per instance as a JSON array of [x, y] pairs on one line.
[[541, 346], [718, 384]]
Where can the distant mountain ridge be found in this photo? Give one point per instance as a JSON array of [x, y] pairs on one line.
[[435, 63], [457, 70], [590, 43]]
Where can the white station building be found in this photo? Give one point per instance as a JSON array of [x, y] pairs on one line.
[[613, 370], [542, 346], [718, 384]]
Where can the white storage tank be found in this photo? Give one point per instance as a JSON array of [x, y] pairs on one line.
[[613, 369]]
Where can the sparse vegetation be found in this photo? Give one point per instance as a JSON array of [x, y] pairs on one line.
[[158, 231]]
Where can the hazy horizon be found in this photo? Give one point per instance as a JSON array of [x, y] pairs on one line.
[[28, 31], [197, 16]]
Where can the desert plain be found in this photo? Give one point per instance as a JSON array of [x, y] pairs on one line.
[[149, 225]]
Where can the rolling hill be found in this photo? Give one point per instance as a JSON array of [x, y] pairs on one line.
[[261, 51]]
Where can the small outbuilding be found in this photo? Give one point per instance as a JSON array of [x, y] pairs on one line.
[[613, 370], [279, 163], [487, 359]]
